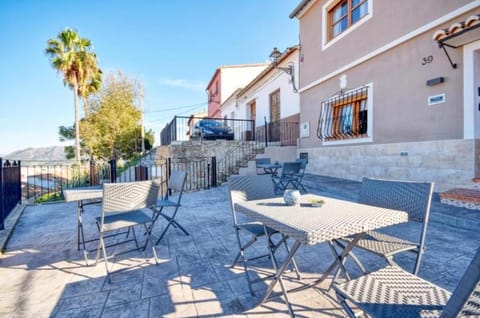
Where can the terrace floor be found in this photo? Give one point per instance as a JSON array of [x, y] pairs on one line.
[[43, 275]]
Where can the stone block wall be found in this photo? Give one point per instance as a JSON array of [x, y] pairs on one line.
[[448, 163]]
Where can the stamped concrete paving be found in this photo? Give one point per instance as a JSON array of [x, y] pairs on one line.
[[43, 275]]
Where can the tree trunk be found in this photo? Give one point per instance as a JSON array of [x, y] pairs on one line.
[[77, 125], [86, 109]]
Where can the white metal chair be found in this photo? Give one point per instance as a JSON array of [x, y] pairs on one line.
[[393, 292], [176, 185], [411, 197], [124, 206], [243, 188]]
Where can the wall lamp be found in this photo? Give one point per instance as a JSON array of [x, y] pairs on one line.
[[274, 56]]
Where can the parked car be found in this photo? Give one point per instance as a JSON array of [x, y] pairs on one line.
[[212, 129]]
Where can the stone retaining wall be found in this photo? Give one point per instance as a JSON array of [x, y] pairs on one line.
[[449, 163]]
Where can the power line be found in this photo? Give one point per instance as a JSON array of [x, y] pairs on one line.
[[176, 108]]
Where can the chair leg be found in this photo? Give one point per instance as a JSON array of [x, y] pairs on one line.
[[294, 263], [345, 306], [353, 256], [171, 221], [104, 250]]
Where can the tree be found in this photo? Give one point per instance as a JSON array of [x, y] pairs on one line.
[[70, 55], [112, 130]]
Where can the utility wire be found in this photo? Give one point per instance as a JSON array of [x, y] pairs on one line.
[[176, 108]]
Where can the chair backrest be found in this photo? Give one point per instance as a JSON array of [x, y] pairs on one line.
[[177, 179], [246, 188], [303, 166], [127, 196], [291, 168], [176, 184], [412, 197], [262, 161], [465, 299]]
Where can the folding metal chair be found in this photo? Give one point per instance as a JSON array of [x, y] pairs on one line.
[[176, 184], [243, 188], [393, 292], [299, 179], [124, 206], [261, 161], [411, 197], [288, 177]]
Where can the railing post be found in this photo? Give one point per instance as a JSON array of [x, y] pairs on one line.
[[266, 132], [19, 181], [169, 173], [2, 198], [93, 172], [214, 171], [113, 170], [208, 175]]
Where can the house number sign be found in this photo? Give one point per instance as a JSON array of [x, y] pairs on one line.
[[427, 60]]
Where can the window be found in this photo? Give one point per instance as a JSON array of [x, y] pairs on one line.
[[344, 116], [345, 13], [275, 106]]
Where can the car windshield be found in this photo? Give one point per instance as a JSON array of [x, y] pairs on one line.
[[210, 123]]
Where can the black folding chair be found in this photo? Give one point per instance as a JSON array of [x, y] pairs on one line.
[[288, 177], [176, 185]]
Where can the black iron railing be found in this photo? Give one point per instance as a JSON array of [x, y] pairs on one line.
[[44, 180], [182, 128], [281, 133], [10, 188]]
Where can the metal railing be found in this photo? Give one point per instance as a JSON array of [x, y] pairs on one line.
[[181, 128], [44, 180], [279, 133], [10, 188]]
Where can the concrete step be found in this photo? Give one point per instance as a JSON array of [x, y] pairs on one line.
[[462, 197]]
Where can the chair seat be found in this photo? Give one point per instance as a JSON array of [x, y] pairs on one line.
[[393, 292], [165, 203], [122, 220], [383, 244]]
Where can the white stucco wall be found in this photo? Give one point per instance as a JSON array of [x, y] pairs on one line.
[[260, 93], [234, 77]]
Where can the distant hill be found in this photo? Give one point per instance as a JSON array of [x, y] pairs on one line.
[[54, 153]]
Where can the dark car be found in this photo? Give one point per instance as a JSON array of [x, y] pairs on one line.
[[212, 129]]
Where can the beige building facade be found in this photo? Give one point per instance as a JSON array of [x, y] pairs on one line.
[[381, 98]]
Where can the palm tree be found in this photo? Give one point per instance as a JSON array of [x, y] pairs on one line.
[[90, 79], [70, 55]]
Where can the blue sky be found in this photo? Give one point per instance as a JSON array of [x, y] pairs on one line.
[[172, 47]]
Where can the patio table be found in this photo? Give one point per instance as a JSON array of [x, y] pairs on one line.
[[84, 196], [270, 168], [309, 225]]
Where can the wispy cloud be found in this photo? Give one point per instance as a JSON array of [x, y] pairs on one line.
[[183, 83]]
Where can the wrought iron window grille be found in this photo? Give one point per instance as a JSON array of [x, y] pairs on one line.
[[344, 115]]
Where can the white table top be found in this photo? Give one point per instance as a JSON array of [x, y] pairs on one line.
[[313, 225], [83, 193]]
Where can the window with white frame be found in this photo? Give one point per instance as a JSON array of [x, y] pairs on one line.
[[345, 116], [343, 14], [340, 17]]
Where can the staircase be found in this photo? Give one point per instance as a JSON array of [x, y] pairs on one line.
[[238, 160]]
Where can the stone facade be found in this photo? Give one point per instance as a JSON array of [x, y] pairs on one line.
[[448, 163]]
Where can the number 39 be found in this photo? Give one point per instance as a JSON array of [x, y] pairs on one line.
[[427, 60]]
